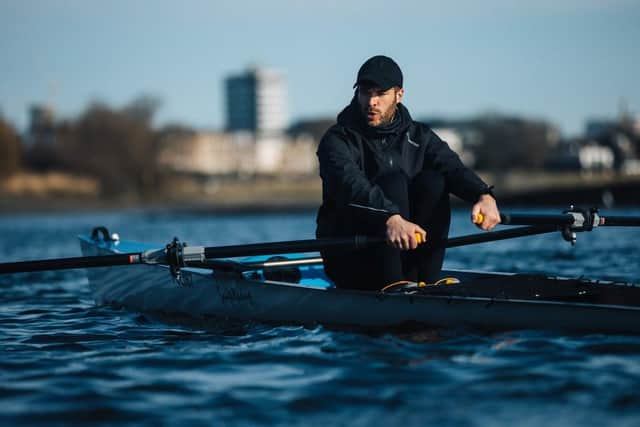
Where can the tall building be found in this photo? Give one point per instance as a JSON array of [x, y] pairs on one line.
[[256, 101]]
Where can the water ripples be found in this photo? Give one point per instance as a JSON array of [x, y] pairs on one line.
[[66, 361]]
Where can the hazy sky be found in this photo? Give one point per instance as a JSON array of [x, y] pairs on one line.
[[559, 60]]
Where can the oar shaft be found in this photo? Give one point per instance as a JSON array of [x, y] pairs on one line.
[[449, 243], [537, 219], [498, 235], [562, 220], [620, 221], [70, 263], [314, 245], [356, 242], [180, 255], [191, 255]]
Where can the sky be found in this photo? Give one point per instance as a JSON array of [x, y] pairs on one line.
[[564, 61]]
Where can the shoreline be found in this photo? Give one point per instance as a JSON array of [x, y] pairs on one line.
[[277, 195]]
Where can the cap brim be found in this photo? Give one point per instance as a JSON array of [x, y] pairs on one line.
[[372, 83]]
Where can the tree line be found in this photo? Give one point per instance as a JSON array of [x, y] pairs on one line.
[[10, 149], [116, 146], [119, 146]]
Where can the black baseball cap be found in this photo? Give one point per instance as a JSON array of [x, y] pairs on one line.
[[379, 71]]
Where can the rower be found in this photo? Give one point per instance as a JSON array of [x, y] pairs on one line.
[[385, 174]]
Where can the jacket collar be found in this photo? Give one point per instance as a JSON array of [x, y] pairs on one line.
[[352, 118]]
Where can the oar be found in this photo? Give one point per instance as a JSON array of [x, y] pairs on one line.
[[494, 236], [294, 246], [571, 218], [183, 255], [178, 255], [539, 224], [300, 262], [569, 222], [71, 263], [197, 255]]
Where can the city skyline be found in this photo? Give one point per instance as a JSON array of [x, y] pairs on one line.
[[560, 61]]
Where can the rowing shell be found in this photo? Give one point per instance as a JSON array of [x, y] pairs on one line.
[[486, 301]]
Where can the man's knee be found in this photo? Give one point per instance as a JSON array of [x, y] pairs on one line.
[[430, 201]]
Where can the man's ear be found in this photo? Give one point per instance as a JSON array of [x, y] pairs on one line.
[[399, 94]]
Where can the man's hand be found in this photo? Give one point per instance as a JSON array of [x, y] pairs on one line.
[[485, 213], [401, 234]]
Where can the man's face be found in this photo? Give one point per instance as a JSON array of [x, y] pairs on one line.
[[379, 106]]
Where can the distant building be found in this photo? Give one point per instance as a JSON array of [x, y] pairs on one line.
[[455, 139], [201, 153], [256, 101], [462, 136], [236, 154], [584, 155], [512, 142], [595, 128], [41, 125], [595, 157], [311, 128], [300, 156], [621, 137]]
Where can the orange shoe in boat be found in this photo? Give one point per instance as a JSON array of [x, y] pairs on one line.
[[408, 286]]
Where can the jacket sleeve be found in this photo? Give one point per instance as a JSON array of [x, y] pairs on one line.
[[461, 180], [345, 182]]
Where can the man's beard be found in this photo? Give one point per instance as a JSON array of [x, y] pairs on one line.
[[386, 117]]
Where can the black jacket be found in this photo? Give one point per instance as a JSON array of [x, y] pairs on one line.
[[352, 154]]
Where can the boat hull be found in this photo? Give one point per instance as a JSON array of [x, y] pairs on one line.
[[202, 293]]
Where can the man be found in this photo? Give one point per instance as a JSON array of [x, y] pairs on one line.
[[384, 174]]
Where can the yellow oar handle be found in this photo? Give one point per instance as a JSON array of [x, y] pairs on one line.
[[479, 218], [419, 238]]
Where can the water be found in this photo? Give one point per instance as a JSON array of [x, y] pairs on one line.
[[66, 361]]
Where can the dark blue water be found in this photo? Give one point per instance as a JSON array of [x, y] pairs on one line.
[[65, 361]]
